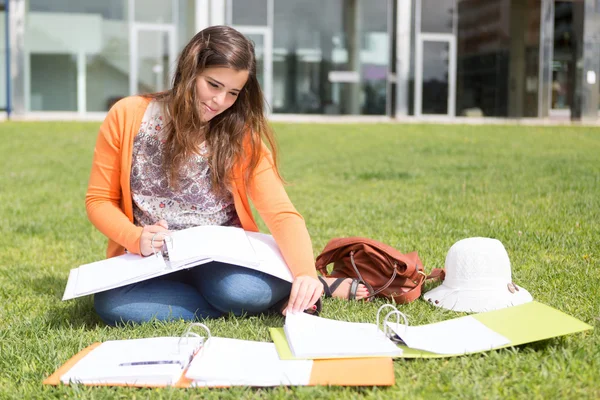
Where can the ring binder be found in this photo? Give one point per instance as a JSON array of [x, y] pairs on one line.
[[188, 332], [393, 336], [196, 247]]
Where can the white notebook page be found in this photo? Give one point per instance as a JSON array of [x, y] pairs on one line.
[[455, 336], [234, 362], [270, 259], [159, 360], [310, 336], [116, 271], [219, 243]]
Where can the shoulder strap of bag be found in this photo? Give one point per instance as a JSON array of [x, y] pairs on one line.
[[414, 293]]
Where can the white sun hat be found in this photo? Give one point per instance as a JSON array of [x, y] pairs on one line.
[[478, 278]]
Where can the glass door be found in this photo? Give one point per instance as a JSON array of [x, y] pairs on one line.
[[263, 47], [152, 58], [435, 75]]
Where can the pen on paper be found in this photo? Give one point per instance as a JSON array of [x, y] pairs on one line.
[[158, 362]]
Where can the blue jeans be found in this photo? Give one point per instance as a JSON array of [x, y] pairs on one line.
[[206, 291]]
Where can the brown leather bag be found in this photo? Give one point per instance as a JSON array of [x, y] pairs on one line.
[[384, 270]]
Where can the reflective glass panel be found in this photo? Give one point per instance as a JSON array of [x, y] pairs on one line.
[[53, 82], [89, 39], [330, 57], [563, 65], [157, 11], [435, 77], [2, 57], [437, 16], [483, 56], [153, 61], [260, 57], [248, 12]]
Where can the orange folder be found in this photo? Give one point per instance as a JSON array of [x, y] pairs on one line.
[[332, 372]]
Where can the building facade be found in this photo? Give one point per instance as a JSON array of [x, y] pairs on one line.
[[484, 58]]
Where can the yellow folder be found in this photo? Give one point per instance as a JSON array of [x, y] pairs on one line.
[[520, 324]]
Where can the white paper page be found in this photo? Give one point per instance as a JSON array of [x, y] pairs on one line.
[[269, 256], [233, 362], [110, 362], [116, 271], [69, 292], [219, 243], [310, 336], [455, 336]]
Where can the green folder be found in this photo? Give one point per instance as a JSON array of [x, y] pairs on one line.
[[521, 324]]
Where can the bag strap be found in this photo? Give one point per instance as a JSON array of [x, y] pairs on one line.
[[372, 292], [414, 293]]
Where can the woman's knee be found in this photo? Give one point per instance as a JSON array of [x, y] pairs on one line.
[[239, 289]]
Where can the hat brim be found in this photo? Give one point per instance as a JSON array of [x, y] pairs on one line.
[[476, 300]]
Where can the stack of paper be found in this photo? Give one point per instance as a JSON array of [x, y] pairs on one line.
[[313, 337], [156, 361]]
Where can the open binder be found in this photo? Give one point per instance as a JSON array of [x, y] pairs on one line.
[[195, 361], [184, 249], [470, 334]]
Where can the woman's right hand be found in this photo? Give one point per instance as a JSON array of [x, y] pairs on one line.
[[150, 231]]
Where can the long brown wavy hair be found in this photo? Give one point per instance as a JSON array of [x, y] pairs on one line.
[[227, 134]]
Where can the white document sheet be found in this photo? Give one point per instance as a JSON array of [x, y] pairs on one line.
[[119, 271], [270, 259], [234, 362], [310, 336], [455, 336], [218, 243], [149, 361]]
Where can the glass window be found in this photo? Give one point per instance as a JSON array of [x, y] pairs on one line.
[[435, 77], [107, 9], [330, 57], [68, 40], [563, 65], [482, 57], [3, 104], [53, 82], [437, 16], [248, 12]]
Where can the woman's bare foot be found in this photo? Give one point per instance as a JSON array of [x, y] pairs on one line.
[[343, 290]]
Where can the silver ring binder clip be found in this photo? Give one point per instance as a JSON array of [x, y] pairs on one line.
[[395, 336], [188, 333], [379, 313], [168, 242]]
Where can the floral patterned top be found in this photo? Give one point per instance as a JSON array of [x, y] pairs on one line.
[[194, 202]]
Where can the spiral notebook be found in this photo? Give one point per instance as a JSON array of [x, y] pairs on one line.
[[187, 248]]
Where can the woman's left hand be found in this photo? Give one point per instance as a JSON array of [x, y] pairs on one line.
[[306, 290]]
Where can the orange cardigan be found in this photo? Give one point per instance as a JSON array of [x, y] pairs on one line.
[[109, 205]]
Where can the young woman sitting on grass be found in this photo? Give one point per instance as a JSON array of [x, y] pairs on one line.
[[194, 155]]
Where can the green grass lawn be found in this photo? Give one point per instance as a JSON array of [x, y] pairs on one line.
[[415, 187]]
